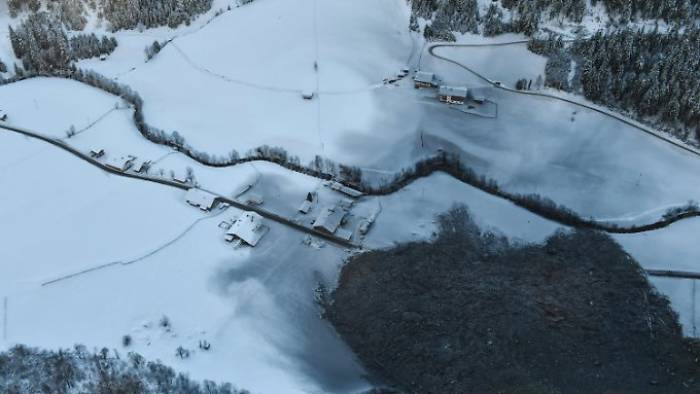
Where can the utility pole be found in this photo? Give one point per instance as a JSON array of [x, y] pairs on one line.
[[4, 318]]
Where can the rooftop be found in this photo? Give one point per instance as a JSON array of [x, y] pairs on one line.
[[426, 77], [454, 91], [248, 228], [200, 198]]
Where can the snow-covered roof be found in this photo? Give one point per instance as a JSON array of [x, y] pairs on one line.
[[346, 190], [425, 77], [248, 228], [454, 91], [200, 198], [139, 164], [305, 206], [329, 219], [344, 234]]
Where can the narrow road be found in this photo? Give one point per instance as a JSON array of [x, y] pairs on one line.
[[609, 114], [236, 204]]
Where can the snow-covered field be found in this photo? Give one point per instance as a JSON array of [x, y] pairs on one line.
[[236, 83]]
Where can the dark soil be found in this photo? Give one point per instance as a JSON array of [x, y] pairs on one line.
[[470, 313]]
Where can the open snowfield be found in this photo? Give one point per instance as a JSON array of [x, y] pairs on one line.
[[243, 93]]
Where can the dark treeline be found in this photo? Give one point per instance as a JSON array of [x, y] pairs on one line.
[[120, 14], [29, 370], [525, 16], [44, 46], [651, 75], [474, 312]]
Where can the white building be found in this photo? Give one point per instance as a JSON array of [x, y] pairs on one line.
[[329, 219], [453, 94], [200, 199], [249, 228], [97, 153]]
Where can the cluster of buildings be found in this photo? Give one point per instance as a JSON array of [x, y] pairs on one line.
[[445, 93]]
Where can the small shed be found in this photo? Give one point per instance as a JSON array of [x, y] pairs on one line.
[[305, 207], [180, 178], [424, 79], [3, 115], [254, 199], [307, 94], [249, 228], [452, 94], [121, 163], [200, 199], [97, 153], [344, 234], [477, 95], [329, 219], [141, 166]]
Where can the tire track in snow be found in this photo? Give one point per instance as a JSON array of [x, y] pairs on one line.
[[134, 260]]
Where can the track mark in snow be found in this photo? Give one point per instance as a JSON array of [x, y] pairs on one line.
[[135, 260]]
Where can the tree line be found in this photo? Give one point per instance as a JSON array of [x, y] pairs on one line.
[[119, 14], [651, 75], [525, 16], [43, 45], [77, 370]]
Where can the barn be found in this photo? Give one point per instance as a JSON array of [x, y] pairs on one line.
[[329, 219]]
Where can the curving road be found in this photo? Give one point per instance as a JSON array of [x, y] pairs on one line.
[[609, 114], [263, 212]]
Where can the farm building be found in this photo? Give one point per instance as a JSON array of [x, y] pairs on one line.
[[329, 219], [200, 199], [424, 79], [249, 228], [452, 94], [122, 163], [339, 187]]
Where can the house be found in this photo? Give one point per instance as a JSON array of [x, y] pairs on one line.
[[307, 95], [329, 219], [452, 94], [424, 79], [200, 199], [97, 153], [339, 187], [249, 228], [122, 163]]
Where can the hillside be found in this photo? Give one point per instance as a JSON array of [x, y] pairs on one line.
[[472, 312]]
